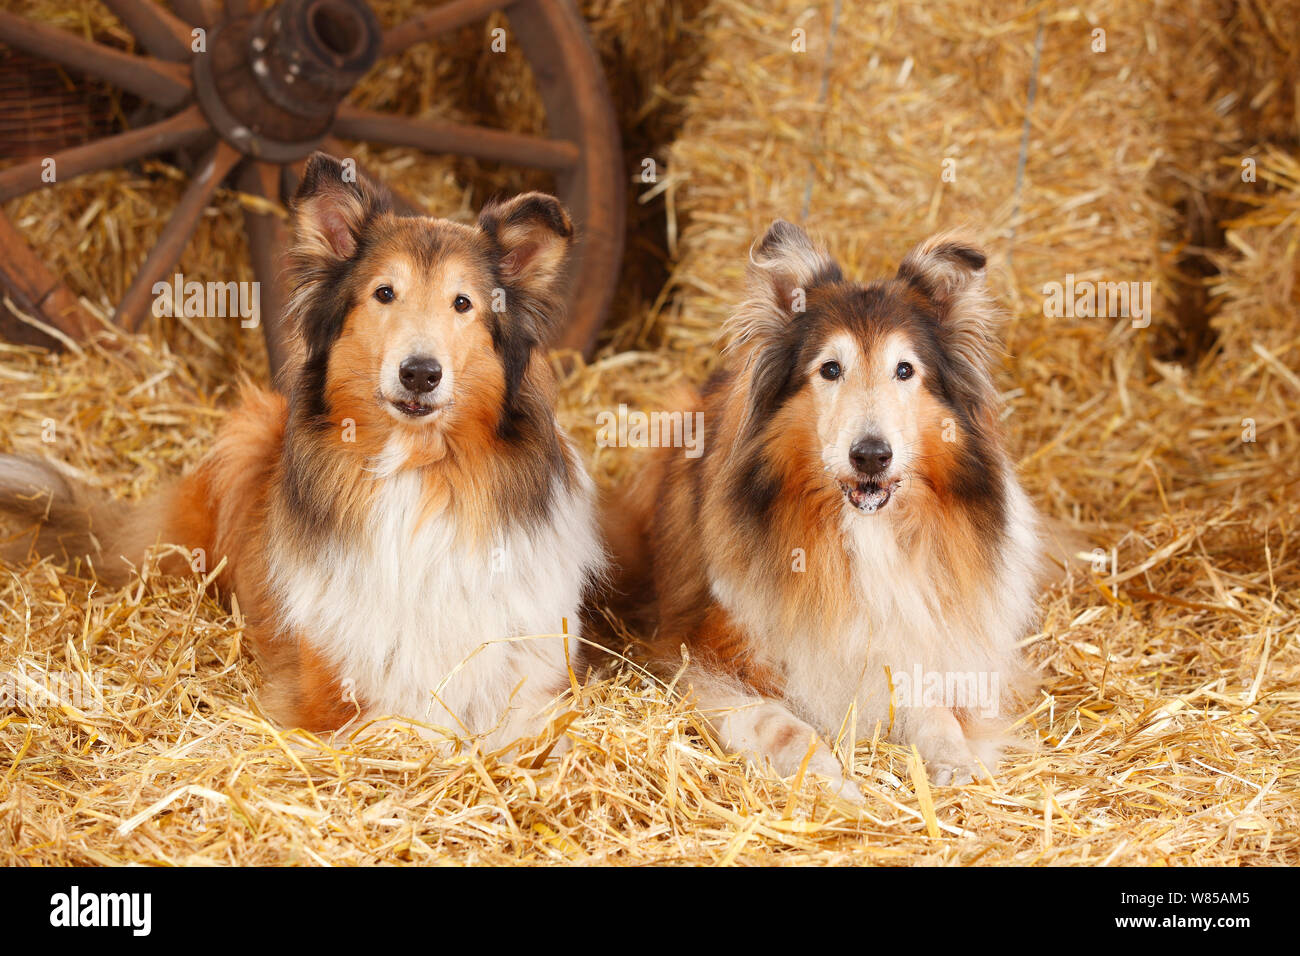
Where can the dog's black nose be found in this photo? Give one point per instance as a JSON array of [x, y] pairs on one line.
[[420, 373], [871, 456]]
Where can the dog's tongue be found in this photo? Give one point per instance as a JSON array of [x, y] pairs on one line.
[[868, 497]]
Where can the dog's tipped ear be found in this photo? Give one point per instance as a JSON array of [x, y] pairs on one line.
[[943, 266], [950, 271], [787, 264], [535, 234], [784, 266], [332, 207], [532, 234]]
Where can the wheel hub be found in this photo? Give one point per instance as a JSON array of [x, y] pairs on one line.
[[270, 83]]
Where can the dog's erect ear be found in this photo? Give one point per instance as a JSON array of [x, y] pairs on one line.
[[332, 207], [784, 267], [534, 234], [949, 271]]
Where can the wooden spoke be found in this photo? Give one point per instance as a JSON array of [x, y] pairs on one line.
[[26, 281], [437, 136], [166, 84], [441, 19], [187, 126], [159, 31], [268, 239], [211, 171], [199, 13]]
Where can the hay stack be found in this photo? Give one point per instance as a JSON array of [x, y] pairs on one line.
[[1167, 728]]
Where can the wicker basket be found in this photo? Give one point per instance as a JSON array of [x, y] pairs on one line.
[[43, 109]]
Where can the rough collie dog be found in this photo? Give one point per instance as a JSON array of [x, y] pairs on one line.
[[405, 529], [852, 545]]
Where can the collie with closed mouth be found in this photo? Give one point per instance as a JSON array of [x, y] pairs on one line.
[[408, 528], [852, 553]]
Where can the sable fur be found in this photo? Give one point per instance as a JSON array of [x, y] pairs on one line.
[[943, 577], [387, 563]]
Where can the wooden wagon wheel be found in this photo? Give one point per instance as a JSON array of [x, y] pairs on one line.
[[269, 89]]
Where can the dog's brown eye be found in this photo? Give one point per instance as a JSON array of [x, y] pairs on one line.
[[385, 294], [831, 371], [904, 371], [461, 304]]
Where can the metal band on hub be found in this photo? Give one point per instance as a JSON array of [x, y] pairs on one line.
[[270, 83]]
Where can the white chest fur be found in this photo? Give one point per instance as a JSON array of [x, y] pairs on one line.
[[899, 625], [430, 628]]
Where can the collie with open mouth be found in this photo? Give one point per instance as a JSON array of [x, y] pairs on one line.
[[852, 553], [407, 530]]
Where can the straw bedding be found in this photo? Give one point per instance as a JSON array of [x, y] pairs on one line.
[[1166, 729]]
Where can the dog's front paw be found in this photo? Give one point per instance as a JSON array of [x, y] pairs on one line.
[[947, 775], [560, 746], [842, 787], [952, 764], [826, 765], [850, 791], [950, 760]]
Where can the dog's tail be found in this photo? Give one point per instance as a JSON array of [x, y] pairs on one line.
[[49, 514], [213, 511]]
